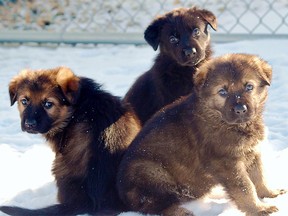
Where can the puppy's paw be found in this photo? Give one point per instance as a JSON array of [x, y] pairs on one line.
[[282, 191], [268, 210], [273, 193], [263, 210]]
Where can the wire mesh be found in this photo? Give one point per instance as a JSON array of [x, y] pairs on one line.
[[247, 17]]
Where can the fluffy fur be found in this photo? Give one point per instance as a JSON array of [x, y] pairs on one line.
[[203, 139], [184, 41], [87, 128]]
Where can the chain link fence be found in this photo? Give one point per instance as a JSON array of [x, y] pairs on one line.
[[124, 21]]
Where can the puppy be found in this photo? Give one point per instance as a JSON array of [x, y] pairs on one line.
[[87, 128], [184, 41], [206, 138]]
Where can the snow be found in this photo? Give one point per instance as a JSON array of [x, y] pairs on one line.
[[25, 159]]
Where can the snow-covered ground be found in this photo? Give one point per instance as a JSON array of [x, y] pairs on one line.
[[25, 159]]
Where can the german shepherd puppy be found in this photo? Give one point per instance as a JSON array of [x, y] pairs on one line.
[[184, 41], [87, 128], [206, 138]]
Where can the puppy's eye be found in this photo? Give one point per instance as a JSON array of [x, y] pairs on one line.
[[249, 87], [24, 101], [48, 104], [196, 32], [223, 92], [173, 39]]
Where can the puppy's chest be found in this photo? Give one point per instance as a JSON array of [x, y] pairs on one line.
[[177, 85], [231, 144], [66, 165], [72, 154]]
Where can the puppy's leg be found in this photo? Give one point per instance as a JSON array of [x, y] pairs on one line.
[[234, 177], [151, 189], [160, 201], [71, 191], [257, 177]]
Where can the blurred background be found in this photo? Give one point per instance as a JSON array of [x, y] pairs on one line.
[[124, 21]]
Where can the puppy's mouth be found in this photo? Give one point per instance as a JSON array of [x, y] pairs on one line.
[[193, 62], [233, 120], [31, 131], [239, 120]]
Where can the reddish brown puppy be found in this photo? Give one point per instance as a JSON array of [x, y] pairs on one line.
[[184, 41], [87, 128], [204, 139]]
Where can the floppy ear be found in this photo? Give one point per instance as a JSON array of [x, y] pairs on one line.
[[69, 84], [266, 72], [199, 77], [153, 32], [13, 85], [209, 17]]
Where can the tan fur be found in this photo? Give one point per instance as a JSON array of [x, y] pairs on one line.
[[120, 143]]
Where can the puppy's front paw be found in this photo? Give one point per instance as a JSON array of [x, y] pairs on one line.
[[273, 193], [264, 210], [282, 191], [268, 210]]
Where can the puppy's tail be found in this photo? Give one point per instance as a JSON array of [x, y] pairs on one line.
[[58, 209], [54, 210]]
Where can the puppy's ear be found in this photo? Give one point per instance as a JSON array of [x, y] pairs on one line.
[[16, 82], [153, 32], [199, 78], [209, 17], [13, 85], [266, 72], [69, 84]]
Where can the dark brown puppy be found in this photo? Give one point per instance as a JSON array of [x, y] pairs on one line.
[[184, 41], [87, 128], [206, 138]]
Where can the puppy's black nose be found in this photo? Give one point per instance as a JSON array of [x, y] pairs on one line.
[[30, 123], [189, 51], [240, 109]]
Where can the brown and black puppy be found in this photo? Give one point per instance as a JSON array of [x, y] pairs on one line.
[[206, 138], [184, 41], [87, 128]]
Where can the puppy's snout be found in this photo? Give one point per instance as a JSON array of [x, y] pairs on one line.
[[30, 123], [189, 51], [240, 109]]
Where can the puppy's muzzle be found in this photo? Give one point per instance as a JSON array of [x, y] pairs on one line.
[[30, 124], [189, 52], [240, 109]]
